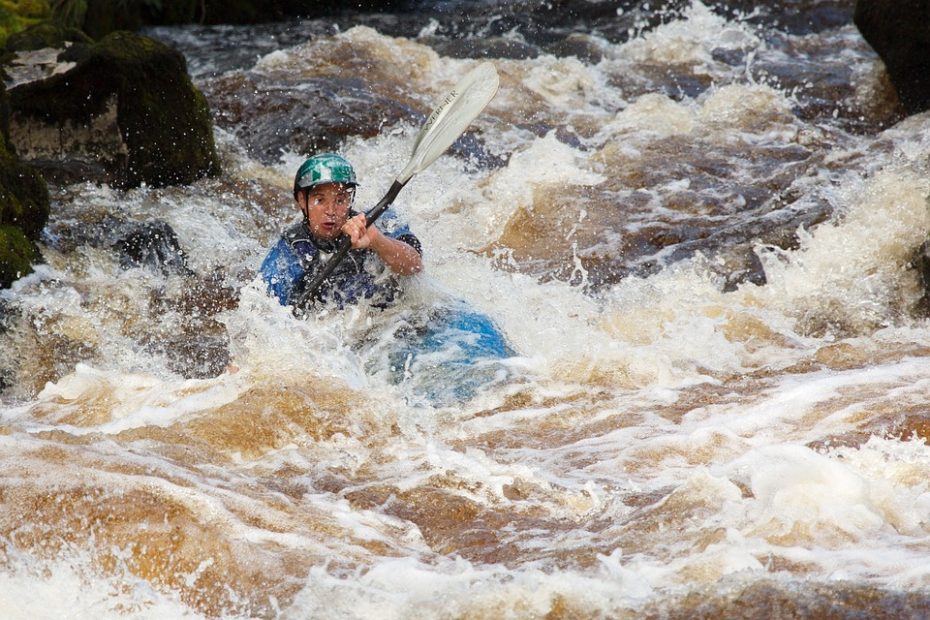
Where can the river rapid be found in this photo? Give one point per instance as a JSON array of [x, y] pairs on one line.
[[695, 228]]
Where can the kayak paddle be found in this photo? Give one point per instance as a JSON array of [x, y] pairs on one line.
[[445, 124]]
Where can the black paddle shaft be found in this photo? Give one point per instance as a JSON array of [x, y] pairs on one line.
[[305, 291]]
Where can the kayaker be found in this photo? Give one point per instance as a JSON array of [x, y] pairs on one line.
[[324, 190]]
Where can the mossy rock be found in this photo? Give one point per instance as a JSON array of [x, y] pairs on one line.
[[163, 121], [24, 207], [24, 199], [17, 253], [44, 34]]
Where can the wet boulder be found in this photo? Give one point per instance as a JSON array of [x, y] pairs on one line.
[[122, 111], [150, 244], [900, 33], [596, 235], [271, 116], [154, 245]]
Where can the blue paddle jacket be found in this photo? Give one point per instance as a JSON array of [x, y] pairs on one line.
[[360, 275]]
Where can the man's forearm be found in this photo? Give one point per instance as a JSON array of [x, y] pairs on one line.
[[400, 257]]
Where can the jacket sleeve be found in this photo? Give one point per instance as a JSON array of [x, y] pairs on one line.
[[280, 270], [393, 227]]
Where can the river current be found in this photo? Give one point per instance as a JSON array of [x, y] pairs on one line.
[[697, 230]]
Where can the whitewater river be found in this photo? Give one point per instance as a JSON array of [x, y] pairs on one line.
[[698, 239]]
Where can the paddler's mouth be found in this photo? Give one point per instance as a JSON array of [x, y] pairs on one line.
[[328, 229]]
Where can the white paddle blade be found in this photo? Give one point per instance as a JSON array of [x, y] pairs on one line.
[[451, 117]]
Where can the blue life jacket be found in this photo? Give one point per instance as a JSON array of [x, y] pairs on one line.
[[360, 275]]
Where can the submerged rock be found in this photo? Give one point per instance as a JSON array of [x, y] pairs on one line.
[[154, 245], [921, 262], [126, 112], [596, 235]]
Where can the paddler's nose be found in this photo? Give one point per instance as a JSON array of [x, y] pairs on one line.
[[329, 206]]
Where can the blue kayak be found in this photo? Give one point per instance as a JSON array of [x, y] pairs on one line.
[[448, 354]]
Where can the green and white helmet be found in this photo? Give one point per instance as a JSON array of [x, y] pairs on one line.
[[324, 168]]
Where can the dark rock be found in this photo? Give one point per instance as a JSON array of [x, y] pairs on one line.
[[581, 46], [154, 245], [921, 262], [494, 47], [101, 17], [24, 208], [753, 272], [127, 107], [45, 34], [900, 34]]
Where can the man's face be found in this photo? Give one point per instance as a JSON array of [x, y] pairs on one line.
[[327, 208]]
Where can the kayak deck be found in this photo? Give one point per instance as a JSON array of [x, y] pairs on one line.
[[447, 354]]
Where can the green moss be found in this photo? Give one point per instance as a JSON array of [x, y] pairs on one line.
[[30, 9], [163, 118], [24, 199], [17, 254], [17, 16]]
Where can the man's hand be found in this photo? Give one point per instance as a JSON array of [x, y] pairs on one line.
[[399, 257], [357, 230]]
